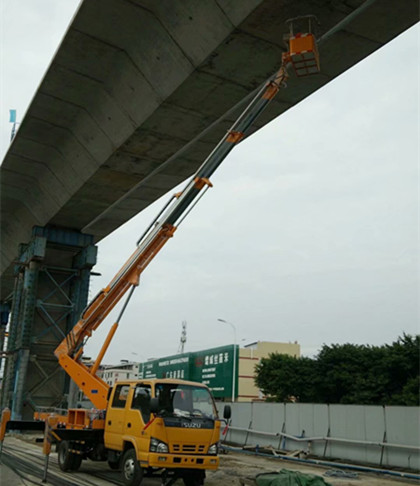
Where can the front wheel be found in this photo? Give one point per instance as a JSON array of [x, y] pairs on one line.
[[194, 478], [132, 473]]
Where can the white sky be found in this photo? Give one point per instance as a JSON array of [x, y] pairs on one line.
[[310, 232]]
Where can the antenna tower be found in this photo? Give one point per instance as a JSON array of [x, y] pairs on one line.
[[183, 339]]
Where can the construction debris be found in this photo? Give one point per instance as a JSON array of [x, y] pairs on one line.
[[270, 450]]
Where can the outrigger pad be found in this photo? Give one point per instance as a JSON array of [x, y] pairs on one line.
[[289, 478]]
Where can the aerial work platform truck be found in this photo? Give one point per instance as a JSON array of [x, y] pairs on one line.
[[160, 426]]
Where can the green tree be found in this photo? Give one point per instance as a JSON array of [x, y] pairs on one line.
[[285, 378], [352, 374], [347, 373], [403, 370]]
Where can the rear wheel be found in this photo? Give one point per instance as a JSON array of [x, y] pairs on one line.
[[77, 461], [67, 460], [132, 473]]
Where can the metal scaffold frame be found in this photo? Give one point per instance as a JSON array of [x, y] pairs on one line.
[[51, 289]]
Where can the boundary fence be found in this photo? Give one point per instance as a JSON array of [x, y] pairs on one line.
[[374, 435]]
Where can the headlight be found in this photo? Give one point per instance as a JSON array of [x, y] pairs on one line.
[[213, 449], [162, 447], [158, 446]]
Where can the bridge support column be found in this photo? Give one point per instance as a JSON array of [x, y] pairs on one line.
[[51, 290]]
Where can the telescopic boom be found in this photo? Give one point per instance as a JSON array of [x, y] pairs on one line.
[[163, 227]]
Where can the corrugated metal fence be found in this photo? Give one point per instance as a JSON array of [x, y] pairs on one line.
[[375, 435]]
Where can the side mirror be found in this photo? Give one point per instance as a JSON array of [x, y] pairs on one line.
[[154, 405], [227, 412]]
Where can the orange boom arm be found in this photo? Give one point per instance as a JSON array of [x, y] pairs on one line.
[[162, 228]]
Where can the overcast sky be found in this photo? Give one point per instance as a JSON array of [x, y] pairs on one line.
[[310, 232]]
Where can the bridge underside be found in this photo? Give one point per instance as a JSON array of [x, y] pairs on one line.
[[139, 92], [136, 97]]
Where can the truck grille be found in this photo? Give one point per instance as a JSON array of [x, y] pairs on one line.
[[189, 448]]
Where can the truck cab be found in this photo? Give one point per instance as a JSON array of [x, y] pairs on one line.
[[162, 424]]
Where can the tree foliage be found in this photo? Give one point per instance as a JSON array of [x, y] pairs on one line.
[[346, 373]]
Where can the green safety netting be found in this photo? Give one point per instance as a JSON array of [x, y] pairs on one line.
[[289, 478]]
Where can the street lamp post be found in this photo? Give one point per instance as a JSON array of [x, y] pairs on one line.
[[234, 356]]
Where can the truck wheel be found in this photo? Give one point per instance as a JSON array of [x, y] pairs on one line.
[[77, 461], [194, 478], [191, 481], [132, 473], [68, 461]]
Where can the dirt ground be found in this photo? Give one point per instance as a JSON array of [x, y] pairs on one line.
[[25, 459], [235, 466]]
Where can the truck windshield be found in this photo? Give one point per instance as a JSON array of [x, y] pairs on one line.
[[179, 400]]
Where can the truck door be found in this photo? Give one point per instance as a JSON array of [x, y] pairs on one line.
[[115, 417], [137, 416]]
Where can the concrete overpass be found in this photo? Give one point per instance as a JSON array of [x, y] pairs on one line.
[[137, 95], [140, 91]]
